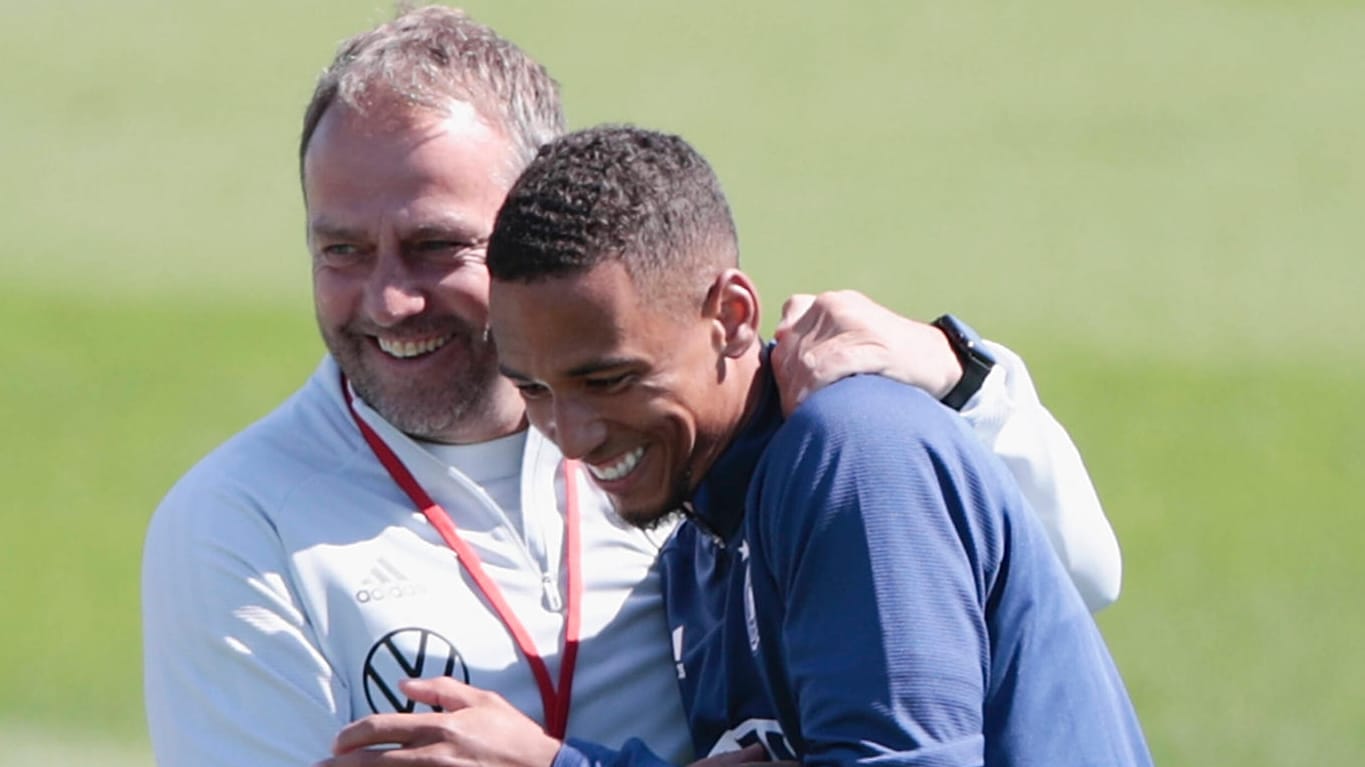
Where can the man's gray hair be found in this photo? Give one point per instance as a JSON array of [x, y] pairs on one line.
[[426, 58]]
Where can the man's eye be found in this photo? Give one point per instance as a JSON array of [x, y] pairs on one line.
[[611, 384], [436, 246], [452, 249], [532, 390], [338, 254]]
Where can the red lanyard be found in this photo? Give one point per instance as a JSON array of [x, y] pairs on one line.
[[556, 704]]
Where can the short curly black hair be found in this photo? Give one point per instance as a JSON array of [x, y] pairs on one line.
[[617, 193]]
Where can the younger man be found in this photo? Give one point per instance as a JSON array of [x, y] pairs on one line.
[[860, 582]]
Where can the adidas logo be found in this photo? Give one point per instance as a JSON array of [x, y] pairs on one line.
[[386, 582]]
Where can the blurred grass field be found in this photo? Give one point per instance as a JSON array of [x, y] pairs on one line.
[[1157, 204]]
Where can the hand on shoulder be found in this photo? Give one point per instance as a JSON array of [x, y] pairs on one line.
[[824, 338]]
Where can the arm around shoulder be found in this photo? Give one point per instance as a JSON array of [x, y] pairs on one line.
[[824, 338], [1009, 418], [581, 753]]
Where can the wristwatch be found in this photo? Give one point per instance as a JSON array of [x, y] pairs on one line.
[[976, 360]]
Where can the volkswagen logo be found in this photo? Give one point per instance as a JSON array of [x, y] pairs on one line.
[[408, 653]]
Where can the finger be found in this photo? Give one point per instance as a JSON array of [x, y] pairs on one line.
[[780, 358], [793, 309], [790, 402], [754, 752], [793, 394], [390, 757], [821, 366], [810, 373], [449, 694], [354, 759], [382, 730], [750, 754], [831, 361], [793, 380]]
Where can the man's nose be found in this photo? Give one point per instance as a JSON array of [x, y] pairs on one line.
[[394, 293], [577, 429]]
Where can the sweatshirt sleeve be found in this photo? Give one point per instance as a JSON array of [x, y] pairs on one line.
[[233, 672], [581, 753], [868, 582], [1008, 417]]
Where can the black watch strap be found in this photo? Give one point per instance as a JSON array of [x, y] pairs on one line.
[[976, 360]]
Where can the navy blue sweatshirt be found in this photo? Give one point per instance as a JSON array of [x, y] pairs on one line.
[[864, 583]]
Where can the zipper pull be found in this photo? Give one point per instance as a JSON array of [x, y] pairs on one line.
[[550, 592]]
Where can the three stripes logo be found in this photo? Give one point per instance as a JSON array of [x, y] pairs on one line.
[[386, 582], [408, 653]]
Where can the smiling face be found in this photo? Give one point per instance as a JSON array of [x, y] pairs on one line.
[[646, 396], [400, 207]]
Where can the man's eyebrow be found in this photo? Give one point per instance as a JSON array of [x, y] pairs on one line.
[[585, 369], [606, 363], [441, 221], [445, 226], [446, 231], [326, 228]]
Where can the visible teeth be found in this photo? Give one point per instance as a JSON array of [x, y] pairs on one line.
[[619, 469], [404, 348]]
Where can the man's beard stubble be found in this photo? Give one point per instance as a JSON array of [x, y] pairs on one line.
[[423, 408], [679, 504]]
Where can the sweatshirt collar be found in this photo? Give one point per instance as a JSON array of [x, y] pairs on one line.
[[719, 501]]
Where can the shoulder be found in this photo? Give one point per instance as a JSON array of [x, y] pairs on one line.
[[863, 437], [870, 414], [679, 549], [884, 453], [874, 472], [243, 482]]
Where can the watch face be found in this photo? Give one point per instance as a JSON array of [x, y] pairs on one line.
[[976, 361], [964, 339], [957, 330]]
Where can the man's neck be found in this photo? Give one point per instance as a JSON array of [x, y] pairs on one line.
[[742, 389], [754, 373]]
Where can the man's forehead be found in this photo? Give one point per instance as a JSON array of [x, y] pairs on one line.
[[565, 322], [384, 135], [380, 109], [444, 173], [602, 291]]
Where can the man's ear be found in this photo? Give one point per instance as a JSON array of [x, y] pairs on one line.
[[732, 307]]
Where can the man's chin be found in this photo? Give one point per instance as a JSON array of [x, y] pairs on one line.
[[414, 416], [418, 408], [647, 515], [650, 520]]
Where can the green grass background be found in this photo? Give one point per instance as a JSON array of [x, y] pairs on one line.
[[1158, 203]]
